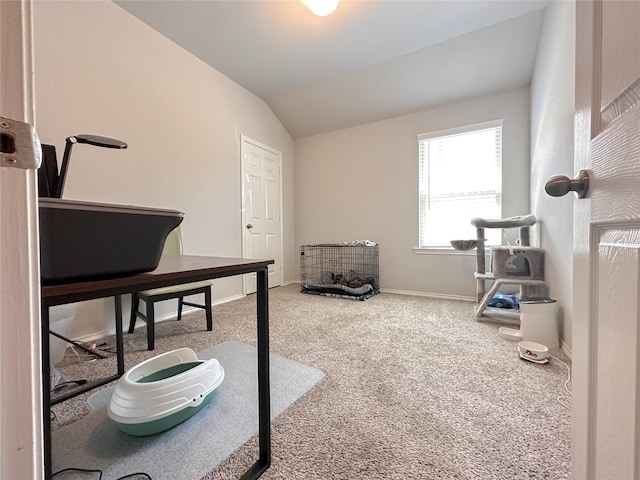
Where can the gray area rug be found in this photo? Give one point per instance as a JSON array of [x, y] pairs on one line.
[[196, 446]]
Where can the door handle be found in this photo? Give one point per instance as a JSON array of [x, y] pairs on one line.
[[249, 226], [560, 185]]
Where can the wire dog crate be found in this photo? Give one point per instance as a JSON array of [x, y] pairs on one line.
[[347, 270]]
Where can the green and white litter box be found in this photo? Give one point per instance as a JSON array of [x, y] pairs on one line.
[[164, 391]]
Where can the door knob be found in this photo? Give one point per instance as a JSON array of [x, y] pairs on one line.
[[560, 185], [249, 226]]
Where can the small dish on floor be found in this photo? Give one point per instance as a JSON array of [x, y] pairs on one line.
[[534, 352], [540, 362]]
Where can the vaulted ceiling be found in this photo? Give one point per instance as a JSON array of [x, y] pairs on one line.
[[370, 60]]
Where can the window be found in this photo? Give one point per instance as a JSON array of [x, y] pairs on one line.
[[460, 178]]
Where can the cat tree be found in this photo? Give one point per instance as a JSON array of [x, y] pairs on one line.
[[522, 265]]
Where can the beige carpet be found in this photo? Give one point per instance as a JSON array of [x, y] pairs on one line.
[[414, 388]]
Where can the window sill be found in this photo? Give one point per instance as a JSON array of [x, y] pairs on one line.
[[445, 251]]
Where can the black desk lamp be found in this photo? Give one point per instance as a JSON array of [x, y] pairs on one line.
[[96, 140]]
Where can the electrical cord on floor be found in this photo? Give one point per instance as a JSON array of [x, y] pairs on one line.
[[81, 470], [79, 356], [99, 472], [82, 381], [566, 383], [103, 347]]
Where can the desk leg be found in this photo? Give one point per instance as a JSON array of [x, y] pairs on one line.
[[119, 340], [264, 399], [46, 375], [264, 417], [46, 389]]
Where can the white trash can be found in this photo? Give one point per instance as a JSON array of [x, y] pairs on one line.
[[61, 318], [538, 322]]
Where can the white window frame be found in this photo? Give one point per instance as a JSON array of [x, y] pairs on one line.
[[447, 249]]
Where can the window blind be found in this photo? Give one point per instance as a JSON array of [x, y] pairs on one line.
[[460, 177]]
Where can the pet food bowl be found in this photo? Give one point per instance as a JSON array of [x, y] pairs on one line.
[[162, 392], [463, 244], [534, 352]]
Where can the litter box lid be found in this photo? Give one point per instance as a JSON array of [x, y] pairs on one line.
[[164, 385], [64, 204], [86, 241]]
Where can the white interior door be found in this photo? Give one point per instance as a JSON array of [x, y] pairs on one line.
[[606, 356], [21, 435], [261, 209]]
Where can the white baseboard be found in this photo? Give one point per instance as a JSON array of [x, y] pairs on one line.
[[429, 295], [565, 348], [107, 333], [92, 337]]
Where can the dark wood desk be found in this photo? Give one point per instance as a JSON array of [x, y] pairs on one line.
[[170, 271]]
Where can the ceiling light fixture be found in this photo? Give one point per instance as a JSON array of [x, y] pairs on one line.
[[322, 8]]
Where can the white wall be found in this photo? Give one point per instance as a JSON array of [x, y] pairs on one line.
[[100, 70], [362, 183], [552, 109]]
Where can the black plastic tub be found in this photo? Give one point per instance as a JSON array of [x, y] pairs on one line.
[[88, 241]]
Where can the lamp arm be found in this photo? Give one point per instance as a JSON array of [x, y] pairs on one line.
[[95, 140], [65, 165]]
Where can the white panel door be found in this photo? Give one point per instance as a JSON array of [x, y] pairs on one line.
[[21, 420], [261, 209], [606, 350]]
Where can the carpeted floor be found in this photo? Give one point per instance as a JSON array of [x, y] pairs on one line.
[[414, 388]]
